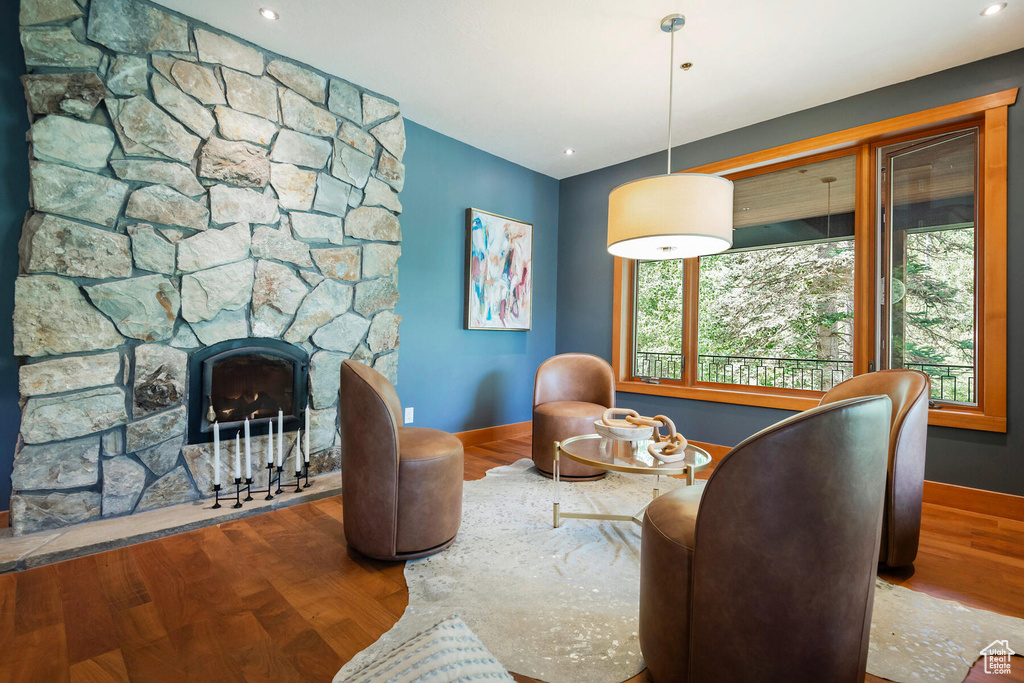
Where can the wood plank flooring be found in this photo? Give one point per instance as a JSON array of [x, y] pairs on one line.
[[279, 597]]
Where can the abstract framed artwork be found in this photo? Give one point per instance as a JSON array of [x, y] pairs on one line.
[[499, 272]]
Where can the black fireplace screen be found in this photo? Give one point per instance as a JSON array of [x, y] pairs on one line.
[[254, 385], [241, 378]]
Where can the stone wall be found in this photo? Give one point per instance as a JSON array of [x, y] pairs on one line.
[[187, 188]]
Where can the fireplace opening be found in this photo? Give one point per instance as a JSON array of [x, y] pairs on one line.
[[241, 378], [254, 385]]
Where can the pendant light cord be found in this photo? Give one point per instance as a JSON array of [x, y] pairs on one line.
[[828, 225], [671, 79]]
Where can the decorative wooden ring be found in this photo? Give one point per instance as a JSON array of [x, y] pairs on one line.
[[664, 421], [668, 423], [606, 417], [644, 421], [675, 443]]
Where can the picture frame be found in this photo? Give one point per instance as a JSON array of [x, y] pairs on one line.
[[499, 272]]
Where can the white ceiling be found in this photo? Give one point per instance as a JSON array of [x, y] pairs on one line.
[[524, 79]]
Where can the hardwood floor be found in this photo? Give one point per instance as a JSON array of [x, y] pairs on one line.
[[278, 596]]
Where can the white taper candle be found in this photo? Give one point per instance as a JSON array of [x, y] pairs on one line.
[[238, 458], [216, 453], [280, 438], [306, 435], [248, 452], [270, 442], [298, 452]]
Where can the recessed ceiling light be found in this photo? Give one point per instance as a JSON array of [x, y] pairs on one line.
[[569, 151], [993, 9], [268, 13]]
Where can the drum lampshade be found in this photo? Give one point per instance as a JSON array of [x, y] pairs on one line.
[[679, 215]]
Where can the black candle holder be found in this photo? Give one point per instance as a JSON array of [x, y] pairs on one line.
[[270, 481], [275, 475]]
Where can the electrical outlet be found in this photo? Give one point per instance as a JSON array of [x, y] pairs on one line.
[[408, 416]]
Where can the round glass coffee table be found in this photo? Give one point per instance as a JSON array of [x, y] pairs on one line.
[[630, 457]]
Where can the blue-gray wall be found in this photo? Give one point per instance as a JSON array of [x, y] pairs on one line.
[[454, 378], [969, 458], [13, 205]]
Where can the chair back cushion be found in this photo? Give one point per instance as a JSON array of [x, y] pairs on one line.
[[909, 391], [575, 377], [369, 414], [785, 548], [906, 389]]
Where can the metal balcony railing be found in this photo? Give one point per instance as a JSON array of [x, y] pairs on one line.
[[949, 382], [658, 365], [783, 373]]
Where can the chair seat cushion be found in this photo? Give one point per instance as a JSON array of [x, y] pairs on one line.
[[430, 474], [422, 443], [674, 515], [593, 411], [666, 564], [557, 421]]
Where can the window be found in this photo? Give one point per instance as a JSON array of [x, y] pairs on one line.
[[877, 247], [659, 319], [777, 309], [929, 264]]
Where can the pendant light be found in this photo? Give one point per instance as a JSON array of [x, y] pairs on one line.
[[828, 180], [671, 216]]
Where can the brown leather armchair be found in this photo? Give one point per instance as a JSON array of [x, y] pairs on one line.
[[767, 573], [909, 391], [570, 392], [401, 486]]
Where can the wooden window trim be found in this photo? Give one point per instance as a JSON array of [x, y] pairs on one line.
[[990, 114], [872, 132]]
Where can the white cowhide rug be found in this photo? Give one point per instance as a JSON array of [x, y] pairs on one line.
[[561, 604]]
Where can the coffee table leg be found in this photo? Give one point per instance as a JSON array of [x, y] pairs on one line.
[[555, 467], [657, 485], [689, 476]]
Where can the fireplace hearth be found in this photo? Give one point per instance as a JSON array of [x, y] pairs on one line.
[[241, 378]]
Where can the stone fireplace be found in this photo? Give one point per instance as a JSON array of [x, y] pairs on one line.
[[211, 224]]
